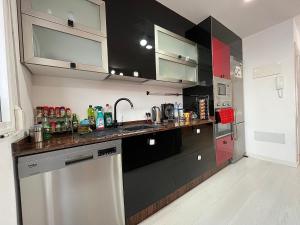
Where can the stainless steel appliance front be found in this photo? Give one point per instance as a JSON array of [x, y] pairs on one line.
[[222, 92], [77, 186]]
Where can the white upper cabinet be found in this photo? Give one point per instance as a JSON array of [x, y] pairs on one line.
[[173, 70], [176, 46], [55, 45], [85, 15], [176, 58]]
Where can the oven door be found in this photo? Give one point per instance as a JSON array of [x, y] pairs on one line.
[[222, 130]]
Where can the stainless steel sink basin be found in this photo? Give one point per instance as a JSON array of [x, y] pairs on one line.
[[139, 127]]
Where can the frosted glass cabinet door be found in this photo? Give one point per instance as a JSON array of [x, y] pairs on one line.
[[169, 70], [50, 44], [86, 15], [175, 46]]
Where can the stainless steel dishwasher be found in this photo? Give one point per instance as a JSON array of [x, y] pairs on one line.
[[75, 186]]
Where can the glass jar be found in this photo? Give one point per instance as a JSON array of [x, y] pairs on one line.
[[62, 111], [57, 112], [45, 111], [69, 112], [39, 112], [51, 112], [53, 126]]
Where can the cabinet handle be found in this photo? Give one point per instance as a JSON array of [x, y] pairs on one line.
[[151, 141], [70, 23], [225, 142], [73, 65]]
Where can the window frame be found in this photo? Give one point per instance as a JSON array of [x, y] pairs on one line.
[[7, 20]]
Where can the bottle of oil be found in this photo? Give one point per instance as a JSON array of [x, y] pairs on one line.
[[91, 117]]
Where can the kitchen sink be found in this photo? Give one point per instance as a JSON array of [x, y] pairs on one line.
[[139, 127]]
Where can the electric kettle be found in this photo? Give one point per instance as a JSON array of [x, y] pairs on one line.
[[156, 115]]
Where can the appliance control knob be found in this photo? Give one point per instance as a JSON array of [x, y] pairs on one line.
[[224, 104], [218, 104]]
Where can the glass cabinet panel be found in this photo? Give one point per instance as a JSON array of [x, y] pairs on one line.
[[88, 15], [52, 44], [176, 46], [174, 71]]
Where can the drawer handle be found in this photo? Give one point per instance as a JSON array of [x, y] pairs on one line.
[[199, 157], [151, 142], [70, 23], [78, 160], [73, 65]]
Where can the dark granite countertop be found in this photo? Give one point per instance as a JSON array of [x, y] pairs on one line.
[[25, 147]]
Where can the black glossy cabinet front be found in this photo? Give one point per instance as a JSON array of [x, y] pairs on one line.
[[152, 172], [128, 22], [197, 154]]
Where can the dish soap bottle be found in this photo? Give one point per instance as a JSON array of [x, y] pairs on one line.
[[108, 121], [99, 118], [91, 117]]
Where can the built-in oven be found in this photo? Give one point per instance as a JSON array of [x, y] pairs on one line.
[[222, 130], [222, 92]]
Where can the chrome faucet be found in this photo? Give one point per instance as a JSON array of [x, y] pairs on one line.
[[115, 109]]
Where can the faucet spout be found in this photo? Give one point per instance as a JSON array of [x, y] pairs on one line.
[[115, 109]]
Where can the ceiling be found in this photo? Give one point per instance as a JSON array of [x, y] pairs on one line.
[[244, 17]]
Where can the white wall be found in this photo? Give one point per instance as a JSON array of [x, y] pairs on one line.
[[78, 94], [264, 111]]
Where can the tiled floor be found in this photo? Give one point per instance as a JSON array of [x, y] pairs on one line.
[[250, 192]]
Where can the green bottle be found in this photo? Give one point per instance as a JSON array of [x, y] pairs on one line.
[[108, 121], [91, 117]]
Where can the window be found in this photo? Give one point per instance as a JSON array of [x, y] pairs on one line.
[[7, 69]]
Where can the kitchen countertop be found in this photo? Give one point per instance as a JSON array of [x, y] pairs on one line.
[[25, 147]]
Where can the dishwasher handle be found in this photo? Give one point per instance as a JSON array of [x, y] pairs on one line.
[[78, 160]]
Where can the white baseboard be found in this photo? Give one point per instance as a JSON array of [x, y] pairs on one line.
[[283, 162]]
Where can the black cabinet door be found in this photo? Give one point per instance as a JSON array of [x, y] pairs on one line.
[[126, 27], [197, 154], [148, 169]]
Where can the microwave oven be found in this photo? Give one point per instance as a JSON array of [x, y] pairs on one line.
[[222, 93]]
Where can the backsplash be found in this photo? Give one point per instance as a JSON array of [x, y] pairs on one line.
[[79, 94]]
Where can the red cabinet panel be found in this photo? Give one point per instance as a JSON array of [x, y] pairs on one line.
[[217, 54], [224, 149], [221, 59], [226, 61]]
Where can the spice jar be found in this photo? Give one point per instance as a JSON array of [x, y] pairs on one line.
[[45, 111], [62, 111], [58, 127], [51, 112], [39, 112], [57, 112], [69, 113], [53, 126]]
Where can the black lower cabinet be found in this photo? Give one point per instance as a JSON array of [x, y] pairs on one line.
[[155, 165]]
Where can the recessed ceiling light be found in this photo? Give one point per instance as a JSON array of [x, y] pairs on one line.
[[113, 72], [143, 42], [149, 47], [247, 1], [121, 74]]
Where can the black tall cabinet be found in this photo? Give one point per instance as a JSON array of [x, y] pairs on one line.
[[202, 34]]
